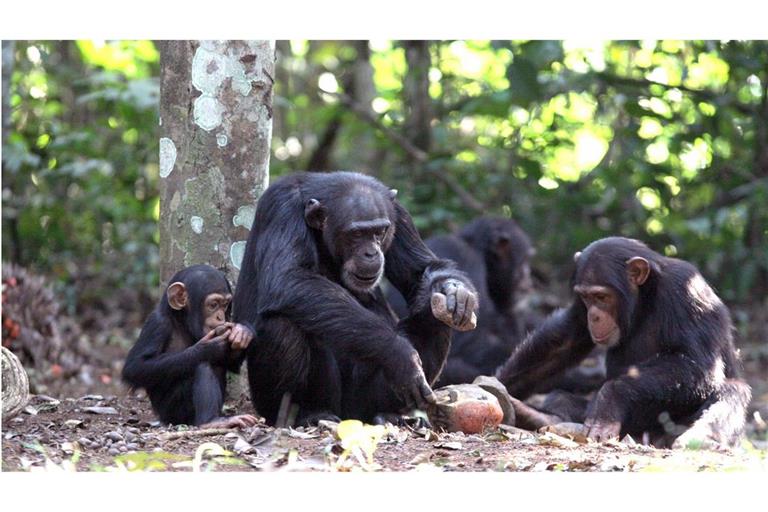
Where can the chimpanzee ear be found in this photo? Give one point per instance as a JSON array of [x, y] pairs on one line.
[[392, 194], [314, 214], [638, 269], [177, 295], [576, 256]]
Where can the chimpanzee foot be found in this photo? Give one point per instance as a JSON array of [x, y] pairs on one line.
[[240, 421], [414, 422], [529, 418], [313, 418], [697, 438]]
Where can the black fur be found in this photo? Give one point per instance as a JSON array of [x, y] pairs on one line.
[[675, 359], [185, 380], [332, 349], [495, 253]]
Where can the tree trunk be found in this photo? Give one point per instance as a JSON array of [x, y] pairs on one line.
[[216, 128], [15, 385], [756, 238], [418, 126], [10, 215], [8, 47], [357, 83], [369, 155]]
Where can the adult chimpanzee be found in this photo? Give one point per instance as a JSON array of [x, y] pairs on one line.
[[185, 348], [326, 338], [495, 253], [670, 360]]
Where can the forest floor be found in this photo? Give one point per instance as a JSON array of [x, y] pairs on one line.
[[118, 432], [88, 421]]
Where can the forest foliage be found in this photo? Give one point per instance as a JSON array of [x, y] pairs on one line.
[[665, 141]]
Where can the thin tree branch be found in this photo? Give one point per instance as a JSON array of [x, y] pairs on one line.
[[701, 93], [417, 154]]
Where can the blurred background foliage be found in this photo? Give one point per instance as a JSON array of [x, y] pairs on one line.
[[80, 198], [666, 141]]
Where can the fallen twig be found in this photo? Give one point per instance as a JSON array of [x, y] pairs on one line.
[[196, 433]]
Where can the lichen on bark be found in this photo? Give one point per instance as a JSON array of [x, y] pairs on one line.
[[216, 107]]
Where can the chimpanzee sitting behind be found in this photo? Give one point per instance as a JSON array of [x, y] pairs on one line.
[[326, 338], [670, 362], [495, 253], [185, 348]]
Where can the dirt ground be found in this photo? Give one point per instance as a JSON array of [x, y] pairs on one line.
[[119, 433], [90, 422]]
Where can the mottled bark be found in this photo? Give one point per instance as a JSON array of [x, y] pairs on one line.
[[216, 128], [15, 385]]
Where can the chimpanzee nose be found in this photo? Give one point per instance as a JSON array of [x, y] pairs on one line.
[[370, 253]]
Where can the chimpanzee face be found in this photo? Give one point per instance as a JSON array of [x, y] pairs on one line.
[[357, 231], [215, 308], [506, 248], [608, 284], [602, 313], [362, 245], [202, 294]]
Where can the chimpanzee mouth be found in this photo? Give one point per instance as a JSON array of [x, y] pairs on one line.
[[608, 339], [365, 279], [362, 282]]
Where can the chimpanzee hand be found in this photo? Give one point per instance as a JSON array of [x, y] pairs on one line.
[[604, 414], [454, 304], [602, 431], [240, 336], [215, 344], [408, 381], [240, 421]]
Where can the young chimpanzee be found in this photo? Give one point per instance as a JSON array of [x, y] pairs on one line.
[[185, 349], [671, 362], [326, 337]]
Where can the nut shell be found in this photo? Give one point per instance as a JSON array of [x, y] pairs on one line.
[[465, 408]]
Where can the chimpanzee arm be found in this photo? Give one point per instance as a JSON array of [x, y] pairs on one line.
[[415, 270], [331, 316], [147, 365], [329, 313], [417, 273], [560, 342], [668, 382]]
